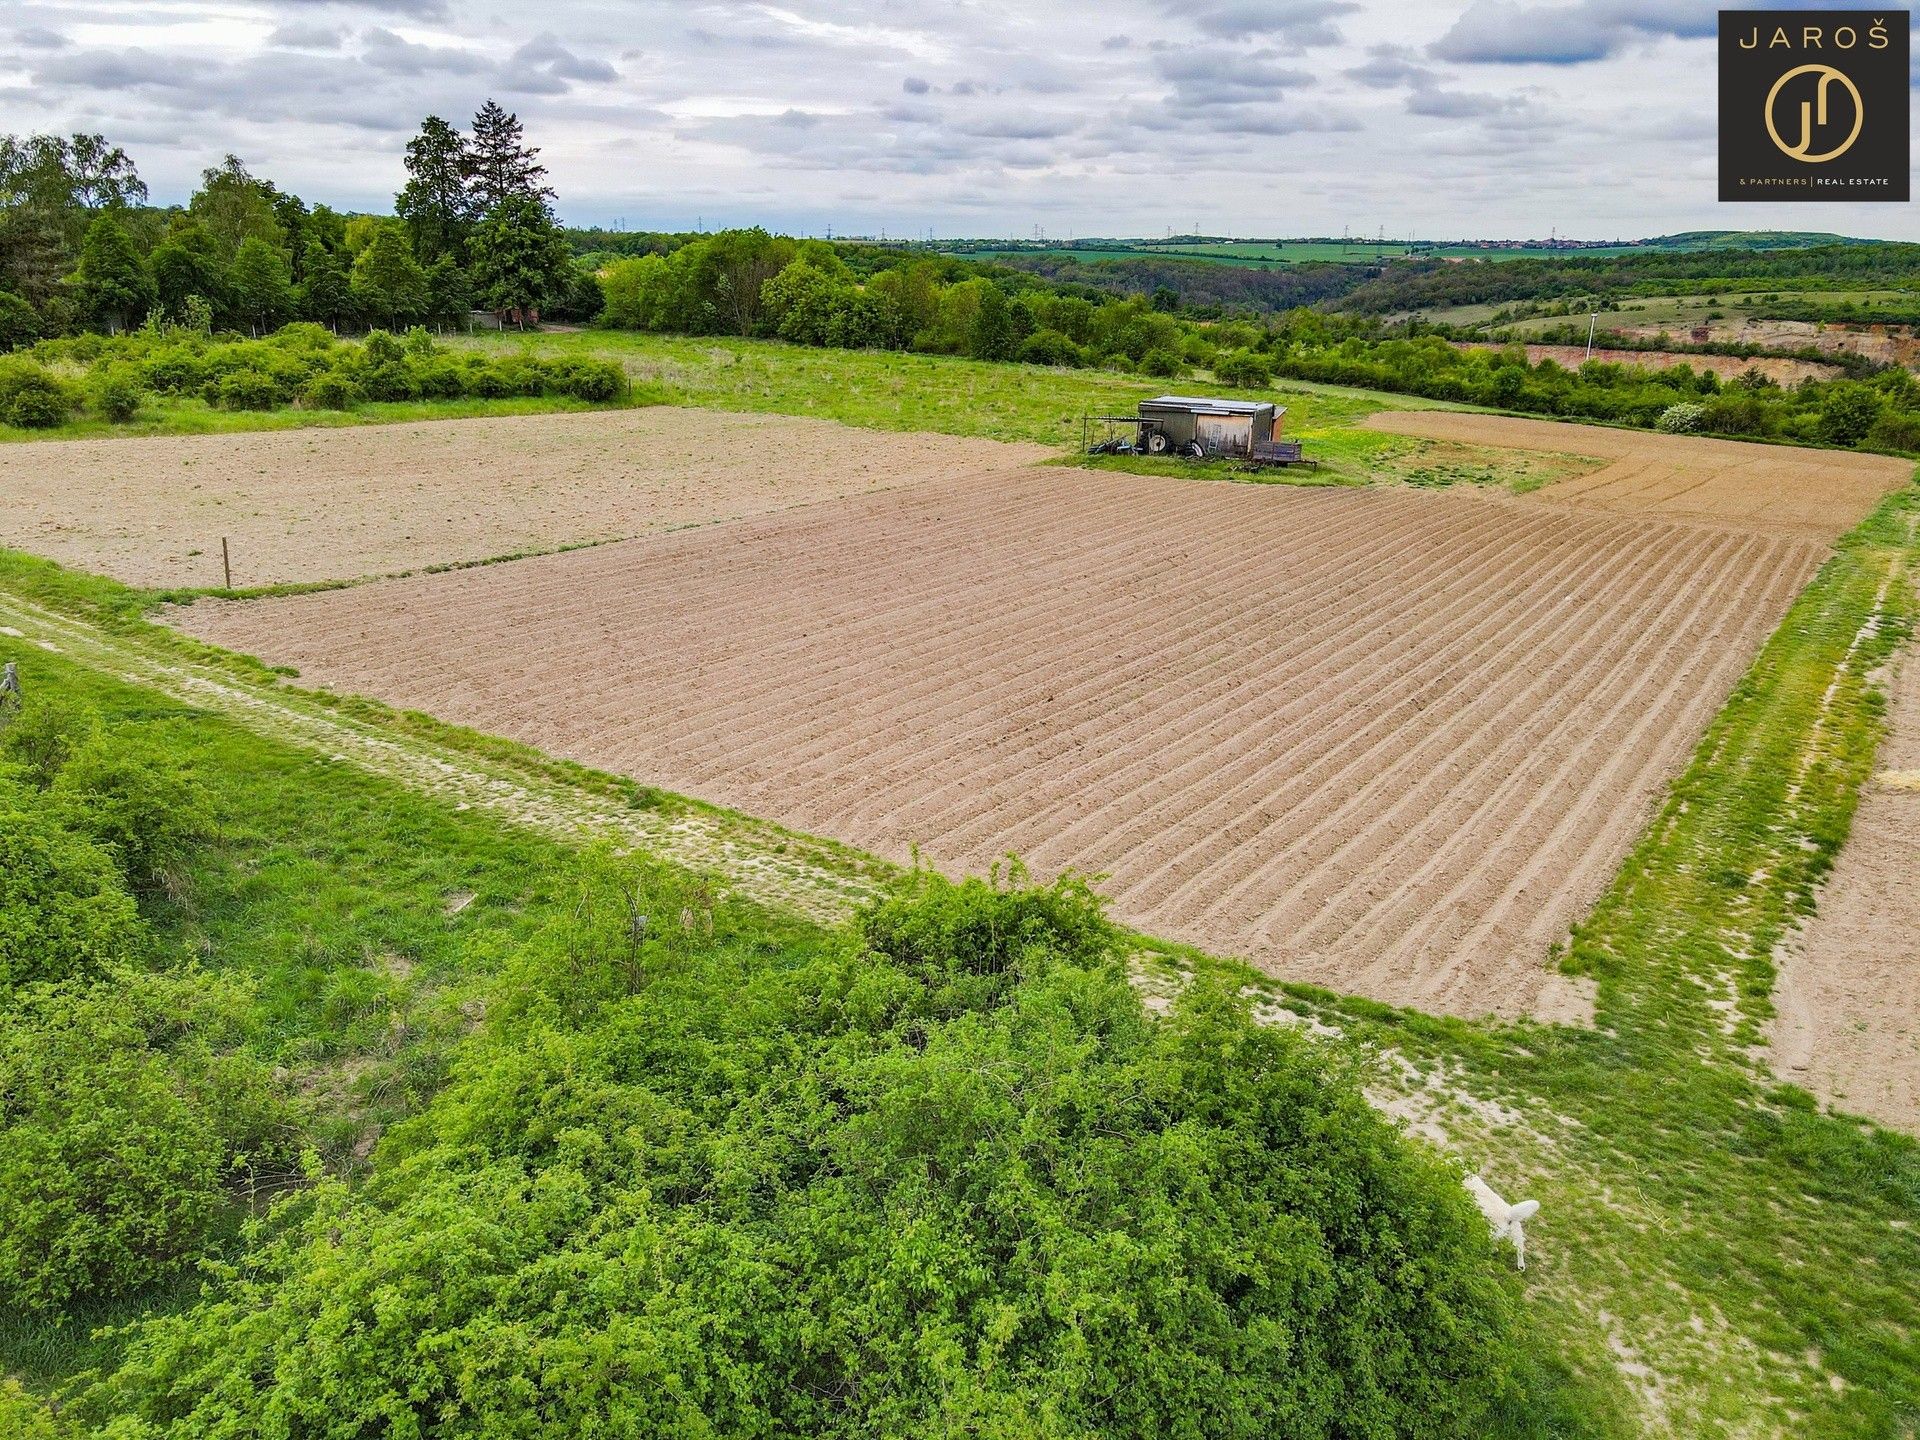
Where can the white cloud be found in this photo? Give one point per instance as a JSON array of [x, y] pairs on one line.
[[1253, 117]]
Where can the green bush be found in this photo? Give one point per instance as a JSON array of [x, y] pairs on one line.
[[134, 803], [247, 390], [1245, 369], [19, 322], [333, 389], [1895, 430], [24, 1417], [63, 908], [949, 1178], [437, 379], [1684, 418], [1162, 364], [44, 736], [176, 369], [31, 396], [593, 380], [1050, 347], [115, 390], [122, 1128]]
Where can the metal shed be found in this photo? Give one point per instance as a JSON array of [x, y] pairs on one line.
[[1217, 427]]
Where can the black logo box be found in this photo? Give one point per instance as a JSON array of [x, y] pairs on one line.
[[1759, 50]]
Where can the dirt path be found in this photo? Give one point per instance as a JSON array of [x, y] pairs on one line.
[[1777, 489], [338, 504], [1387, 741], [1848, 993], [753, 859]]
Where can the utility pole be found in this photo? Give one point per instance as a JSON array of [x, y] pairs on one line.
[[1593, 321]]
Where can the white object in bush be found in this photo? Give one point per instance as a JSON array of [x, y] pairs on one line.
[[1507, 1220]]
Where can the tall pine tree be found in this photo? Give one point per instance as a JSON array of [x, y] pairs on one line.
[[501, 165], [435, 203]]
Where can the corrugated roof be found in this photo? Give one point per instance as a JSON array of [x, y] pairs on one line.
[[1204, 405]]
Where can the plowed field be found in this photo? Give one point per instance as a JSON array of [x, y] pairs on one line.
[[336, 504], [1387, 741], [1849, 992], [1820, 494]]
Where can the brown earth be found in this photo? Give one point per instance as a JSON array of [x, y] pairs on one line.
[[1780, 369], [1389, 741], [1890, 344], [1848, 996], [1782, 489], [340, 503]]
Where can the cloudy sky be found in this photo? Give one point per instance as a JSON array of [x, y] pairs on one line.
[[1594, 118]]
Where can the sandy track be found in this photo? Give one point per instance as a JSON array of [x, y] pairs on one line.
[[1820, 494], [1387, 741], [1848, 996], [335, 504]]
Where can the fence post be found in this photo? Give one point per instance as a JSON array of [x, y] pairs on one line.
[[226, 563]]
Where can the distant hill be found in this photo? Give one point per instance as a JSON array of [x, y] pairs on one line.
[[1751, 240]]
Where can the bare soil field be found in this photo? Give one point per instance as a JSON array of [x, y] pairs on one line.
[[1817, 494], [1388, 741], [335, 504], [1848, 996], [1781, 369]]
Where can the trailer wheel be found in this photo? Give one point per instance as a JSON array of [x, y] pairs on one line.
[[1158, 444], [1195, 450]]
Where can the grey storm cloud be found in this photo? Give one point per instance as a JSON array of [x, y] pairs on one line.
[[39, 37]]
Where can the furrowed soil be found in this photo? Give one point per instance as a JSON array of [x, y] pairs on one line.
[[1386, 741], [1847, 1025], [1818, 494], [338, 504]]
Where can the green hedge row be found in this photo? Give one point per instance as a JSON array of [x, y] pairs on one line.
[[304, 365]]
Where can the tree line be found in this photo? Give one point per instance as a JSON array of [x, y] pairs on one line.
[[1408, 285], [473, 227]]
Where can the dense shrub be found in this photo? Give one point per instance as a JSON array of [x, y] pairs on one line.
[[19, 321], [25, 1417], [1164, 364], [1894, 430], [1245, 369], [593, 380], [333, 389], [247, 390], [952, 1180], [115, 390], [1050, 347], [132, 801], [1682, 419], [125, 1118], [63, 908], [43, 736], [31, 396]]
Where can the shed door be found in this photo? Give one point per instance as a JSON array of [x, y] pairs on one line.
[[1224, 434]]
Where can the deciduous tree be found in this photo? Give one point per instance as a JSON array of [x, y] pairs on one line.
[[112, 279], [260, 286], [519, 257], [388, 283]]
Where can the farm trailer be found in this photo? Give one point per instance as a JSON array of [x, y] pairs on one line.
[[1198, 427]]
